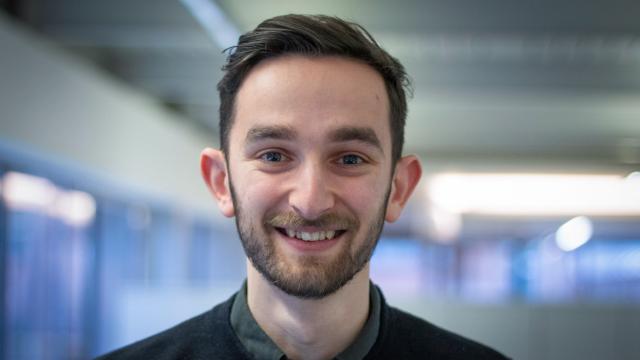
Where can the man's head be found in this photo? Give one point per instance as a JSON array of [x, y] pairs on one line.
[[311, 167], [312, 36]]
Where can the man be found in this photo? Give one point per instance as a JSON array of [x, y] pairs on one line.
[[312, 117]]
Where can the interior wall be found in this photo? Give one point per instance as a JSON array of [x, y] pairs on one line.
[[540, 331], [58, 105]]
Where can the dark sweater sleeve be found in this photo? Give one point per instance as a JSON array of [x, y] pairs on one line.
[[206, 336]]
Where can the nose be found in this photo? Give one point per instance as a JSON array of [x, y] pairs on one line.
[[312, 195]]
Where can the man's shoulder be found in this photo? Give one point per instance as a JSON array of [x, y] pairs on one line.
[[407, 336], [183, 338], [204, 336]]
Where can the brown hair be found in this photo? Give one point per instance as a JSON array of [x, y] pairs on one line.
[[312, 35]]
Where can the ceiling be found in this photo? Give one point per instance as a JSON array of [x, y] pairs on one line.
[[536, 84]]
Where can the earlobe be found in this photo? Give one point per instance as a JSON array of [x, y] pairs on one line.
[[214, 173], [406, 178]]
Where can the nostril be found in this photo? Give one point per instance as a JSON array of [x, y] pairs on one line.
[[312, 209]]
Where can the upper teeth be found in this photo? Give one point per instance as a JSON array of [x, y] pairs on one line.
[[311, 236]]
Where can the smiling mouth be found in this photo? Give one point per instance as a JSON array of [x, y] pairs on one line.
[[310, 236]]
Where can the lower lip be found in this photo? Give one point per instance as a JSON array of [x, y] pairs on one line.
[[310, 246]]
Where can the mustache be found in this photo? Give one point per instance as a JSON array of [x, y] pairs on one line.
[[329, 221]]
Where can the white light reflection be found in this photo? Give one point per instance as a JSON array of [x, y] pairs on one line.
[[214, 20], [445, 226], [574, 233], [25, 192], [76, 208], [534, 194], [633, 178]]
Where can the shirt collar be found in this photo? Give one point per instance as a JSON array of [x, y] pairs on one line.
[[256, 341]]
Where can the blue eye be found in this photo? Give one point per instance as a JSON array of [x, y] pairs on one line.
[[351, 160], [272, 156]]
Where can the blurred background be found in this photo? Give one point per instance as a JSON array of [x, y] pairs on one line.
[[524, 233]]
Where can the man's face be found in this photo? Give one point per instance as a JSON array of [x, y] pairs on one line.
[[310, 170]]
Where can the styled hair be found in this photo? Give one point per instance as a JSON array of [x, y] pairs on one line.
[[312, 36]]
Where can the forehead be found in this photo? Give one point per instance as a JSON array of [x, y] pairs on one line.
[[314, 95]]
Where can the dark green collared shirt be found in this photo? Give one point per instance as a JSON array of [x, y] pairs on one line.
[[261, 346]]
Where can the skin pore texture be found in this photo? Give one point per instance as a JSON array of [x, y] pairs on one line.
[[310, 181]]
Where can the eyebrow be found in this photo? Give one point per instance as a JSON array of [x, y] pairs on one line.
[[362, 134], [343, 134], [277, 132]]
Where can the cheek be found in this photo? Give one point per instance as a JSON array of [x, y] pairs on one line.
[[257, 192], [365, 196]]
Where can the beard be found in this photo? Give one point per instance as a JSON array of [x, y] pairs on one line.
[[308, 276]]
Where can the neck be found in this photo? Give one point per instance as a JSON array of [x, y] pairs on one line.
[[309, 328]]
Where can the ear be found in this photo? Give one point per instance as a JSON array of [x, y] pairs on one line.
[[213, 166], [407, 174]]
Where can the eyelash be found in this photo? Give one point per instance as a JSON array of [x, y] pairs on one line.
[[264, 155], [360, 160]]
